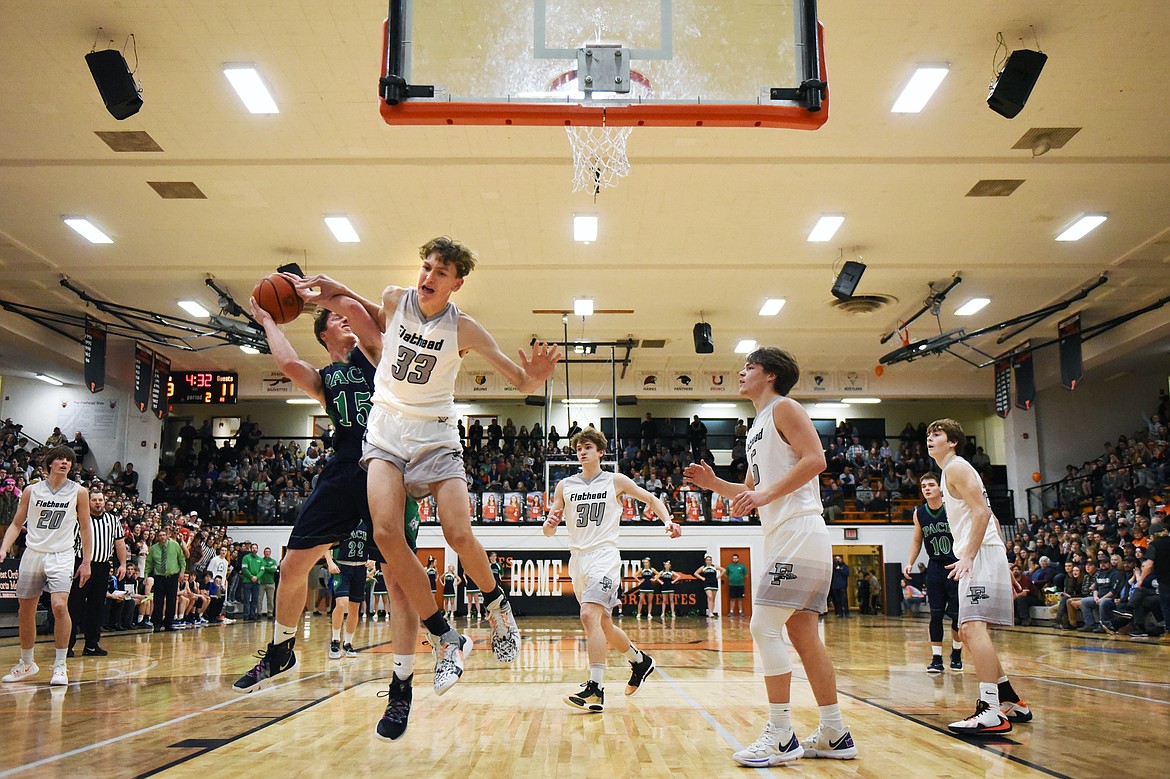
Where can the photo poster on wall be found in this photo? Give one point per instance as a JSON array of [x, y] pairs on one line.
[[473, 504], [692, 506], [514, 503], [720, 508], [426, 510], [535, 506], [490, 506], [537, 581]]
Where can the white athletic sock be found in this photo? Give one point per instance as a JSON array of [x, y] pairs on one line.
[[59, 656], [26, 655], [336, 634], [403, 666], [597, 673], [633, 654], [831, 717], [348, 638], [957, 645], [283, 633], [780, 715], [989, 694], [1001, 680], [936, 649]]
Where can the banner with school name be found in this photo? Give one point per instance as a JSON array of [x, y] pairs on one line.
[[682, 382], [478, 383], [652, 383], [718, 383]]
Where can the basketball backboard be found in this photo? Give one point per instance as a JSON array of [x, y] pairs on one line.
[[612, 62]]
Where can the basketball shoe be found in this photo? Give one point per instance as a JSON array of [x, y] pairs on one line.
[[60, 675], [639, 672], [393, 722], [986, 721], [335, 650], [505, 633], [773, 747], [449, 661], [956, 660], [825, 742], [21, 671], [273, 662], [591, 698], [1016, 711], [936, 666], [348, 650]]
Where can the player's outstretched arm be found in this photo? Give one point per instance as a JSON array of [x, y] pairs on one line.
[[299, 372], [556, 511], [532, 371], [329, 293], [703, 476], [625, 486]]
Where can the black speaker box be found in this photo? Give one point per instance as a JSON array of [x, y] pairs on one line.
[[703, 342], [534, 400], [627, 400], [113, 79], [1010, 91], [847, 279]]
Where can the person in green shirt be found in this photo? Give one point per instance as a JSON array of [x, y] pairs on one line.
[[165, 560], [736, 575], [267, 581], [250, 575]]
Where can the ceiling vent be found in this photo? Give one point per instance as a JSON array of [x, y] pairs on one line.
[[177, 190], [129, 140], [862, 305], [995, 187], [1046, 138], [653, 343]]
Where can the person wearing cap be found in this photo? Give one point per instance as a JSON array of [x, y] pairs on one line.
[[1103, 591]]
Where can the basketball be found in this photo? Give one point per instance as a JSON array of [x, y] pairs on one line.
[[276, 295]]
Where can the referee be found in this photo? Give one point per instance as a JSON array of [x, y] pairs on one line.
[[87, 602]]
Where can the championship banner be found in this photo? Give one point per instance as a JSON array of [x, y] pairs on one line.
[[1071, 367], [650, 382], [682, 382], [276, 383], [1025, 380], [717, 383], [158, 386], [479, 383], [853, 382], [94, 344], [1003, 388], [818, 382], [143, 367], [537, 582]]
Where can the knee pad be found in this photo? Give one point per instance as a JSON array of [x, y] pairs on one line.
[[767, 628]]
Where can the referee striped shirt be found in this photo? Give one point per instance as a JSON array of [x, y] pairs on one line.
[[107, 528]]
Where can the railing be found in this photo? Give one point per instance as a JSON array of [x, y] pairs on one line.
[[1108, 485]]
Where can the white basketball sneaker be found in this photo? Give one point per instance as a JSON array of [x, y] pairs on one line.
[[22, 671], [773, 747], [60, 675], [825, 742]]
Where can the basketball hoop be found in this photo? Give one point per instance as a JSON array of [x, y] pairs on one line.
[[599, 153]]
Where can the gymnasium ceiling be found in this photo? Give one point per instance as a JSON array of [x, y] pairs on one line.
[[709, 222]]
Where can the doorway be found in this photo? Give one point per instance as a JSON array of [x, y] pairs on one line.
[[745, 556], [439, 553], [859, 558]]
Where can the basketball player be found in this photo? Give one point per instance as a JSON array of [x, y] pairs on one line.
[[412, 443], [709, 574], [350, 557], [335, 507], [942, 592], [985, 583], [59, 511], [592, 499], [784, 461]]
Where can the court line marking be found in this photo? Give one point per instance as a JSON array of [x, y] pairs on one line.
[[142, 731], [1098, 689], [723, 732]]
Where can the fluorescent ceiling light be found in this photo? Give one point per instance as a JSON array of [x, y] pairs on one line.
[[585, 227], [302, 402], [580, 401], [583, 306], [245, 79], [250, 350], [1082, 227], [745, 347], [342, 229], [772, 306], [463, 406], [194, 309], [861, 400], [50, 380], [920, 89], [972, 306], [717, 405], [832, 405], [87, 230], [826, 228]]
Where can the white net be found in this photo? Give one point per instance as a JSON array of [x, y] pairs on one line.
[[599, 156]]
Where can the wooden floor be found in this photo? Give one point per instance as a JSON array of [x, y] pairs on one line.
[[160, 704]]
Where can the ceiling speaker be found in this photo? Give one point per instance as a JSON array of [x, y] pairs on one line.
[[847, 279], [1011, 89], [114, 82], [703, 342]]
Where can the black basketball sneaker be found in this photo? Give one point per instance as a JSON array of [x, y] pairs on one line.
[[393, 722], [274, 660], [639, 672]]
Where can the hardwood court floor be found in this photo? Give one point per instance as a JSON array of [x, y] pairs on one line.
[[160, 704]]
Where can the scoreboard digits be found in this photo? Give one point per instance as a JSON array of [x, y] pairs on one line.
[[202, 387]]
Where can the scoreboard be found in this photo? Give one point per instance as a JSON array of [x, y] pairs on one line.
[[203, 387]]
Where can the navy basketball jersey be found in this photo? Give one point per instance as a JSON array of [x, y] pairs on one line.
[[936, 534], [348, 388], [353, 549]]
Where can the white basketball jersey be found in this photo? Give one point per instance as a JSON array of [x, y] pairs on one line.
[[52, 517], [958, 513], [420, 360], [593, 511], [770, 459]]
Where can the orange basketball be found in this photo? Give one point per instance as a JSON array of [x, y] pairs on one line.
[[276, 295]]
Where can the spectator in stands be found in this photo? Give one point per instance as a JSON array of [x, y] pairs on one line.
[[911, 596], [129, 481], [864, 496], [1026, 595], [79, 446], [475, 436], [250, 568], [56, 438], [267, 581], [1104, 588], [164, 562]]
